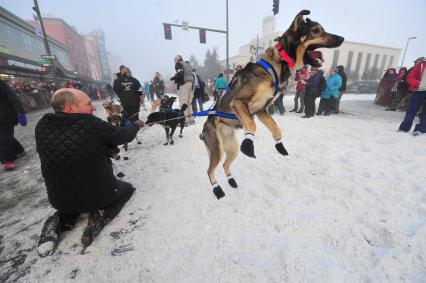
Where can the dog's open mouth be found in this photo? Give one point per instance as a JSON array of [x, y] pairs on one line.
[[313, 58]]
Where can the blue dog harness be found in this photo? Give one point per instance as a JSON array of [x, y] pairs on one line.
[[265, 65]]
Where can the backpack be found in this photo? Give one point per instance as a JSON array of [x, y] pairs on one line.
[[323, 83]]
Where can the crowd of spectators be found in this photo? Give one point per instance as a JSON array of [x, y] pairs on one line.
[[37, 94]]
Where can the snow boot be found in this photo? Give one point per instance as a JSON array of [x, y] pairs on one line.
[[49, 235], [96, 223]]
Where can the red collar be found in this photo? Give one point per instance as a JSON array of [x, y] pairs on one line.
[[284, 55]]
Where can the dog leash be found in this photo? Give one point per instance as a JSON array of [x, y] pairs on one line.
[[169, 119]]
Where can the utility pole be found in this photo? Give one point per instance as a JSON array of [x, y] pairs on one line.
[[202, 34], [257, 47], [46, 43]]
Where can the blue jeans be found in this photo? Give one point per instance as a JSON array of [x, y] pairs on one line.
[[416, 101]]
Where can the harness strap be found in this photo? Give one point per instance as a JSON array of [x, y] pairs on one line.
[[216, 113], [265, 65]]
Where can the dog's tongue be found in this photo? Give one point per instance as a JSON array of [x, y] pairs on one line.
[[317, 55]]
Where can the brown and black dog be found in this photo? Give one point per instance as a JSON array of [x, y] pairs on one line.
[[114, 117], [252, 91]]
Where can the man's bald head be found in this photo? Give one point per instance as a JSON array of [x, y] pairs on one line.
[[71, 100]]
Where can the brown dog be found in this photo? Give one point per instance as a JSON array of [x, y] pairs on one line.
[[252, 91], [115, 118], [155, 105]]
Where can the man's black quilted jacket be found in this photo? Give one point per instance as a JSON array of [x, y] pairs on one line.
[[74, 164]]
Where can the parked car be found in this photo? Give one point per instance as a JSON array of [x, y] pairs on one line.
[[362, 87]]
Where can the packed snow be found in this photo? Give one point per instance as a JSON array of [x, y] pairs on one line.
[[347, 205]]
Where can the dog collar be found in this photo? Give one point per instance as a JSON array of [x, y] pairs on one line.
[[265, 65], [284, 55]]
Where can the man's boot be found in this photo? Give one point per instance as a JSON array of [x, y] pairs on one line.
[[97, 221], [49, 237]]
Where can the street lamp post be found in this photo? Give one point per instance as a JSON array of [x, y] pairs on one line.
[[405, 51], [46, 42]]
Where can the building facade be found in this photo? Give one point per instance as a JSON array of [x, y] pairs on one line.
[[21, 49], [92, 56], [68, 36], [361, 60], [102, 53]]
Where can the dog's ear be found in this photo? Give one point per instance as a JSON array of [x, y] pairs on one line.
[[298, 20]]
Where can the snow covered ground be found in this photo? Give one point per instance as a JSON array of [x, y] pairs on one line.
[[347, 205]]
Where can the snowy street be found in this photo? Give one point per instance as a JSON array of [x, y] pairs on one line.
[[347, 205]]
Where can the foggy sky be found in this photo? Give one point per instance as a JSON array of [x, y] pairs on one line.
[[133, 28]]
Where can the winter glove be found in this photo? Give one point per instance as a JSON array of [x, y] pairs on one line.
[[22, 119], [126, 122]]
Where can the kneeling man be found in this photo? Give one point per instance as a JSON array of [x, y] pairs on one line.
[[73, 145]]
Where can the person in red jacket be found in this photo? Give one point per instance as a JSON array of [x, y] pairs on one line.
[[416, 80], [301, 77]]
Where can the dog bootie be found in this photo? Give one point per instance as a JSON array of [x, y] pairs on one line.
[[280, 147], [218, 192], [247, 146], [232, 182], [49, 236]]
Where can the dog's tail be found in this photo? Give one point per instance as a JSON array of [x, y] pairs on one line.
[[184, 107]]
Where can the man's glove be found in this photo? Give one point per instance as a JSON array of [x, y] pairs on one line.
[[126, 122], [140, 123], [22, 119]]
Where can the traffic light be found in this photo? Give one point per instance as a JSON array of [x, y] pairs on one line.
[[276, 6], [202, 35], [167, 31]]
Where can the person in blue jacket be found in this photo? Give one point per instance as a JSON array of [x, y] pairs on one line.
[[328, 96], [220, 85]]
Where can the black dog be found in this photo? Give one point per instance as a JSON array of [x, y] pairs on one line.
[[169, 120], [167, 103]]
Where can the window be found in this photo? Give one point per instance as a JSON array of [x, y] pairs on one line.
[[335, 58], [367, 62], [390, 61], [382, 66], [358, 65], [349, 63], [376, 61]]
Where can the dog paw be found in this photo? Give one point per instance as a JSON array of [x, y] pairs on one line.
[[120, 175], [172, 142], [139, 142], [280, 147], [232, 183], [218, 192], [165, 143], [181, 136], [247, 148]]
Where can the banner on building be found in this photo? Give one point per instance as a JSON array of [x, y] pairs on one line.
[[37, 26]]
